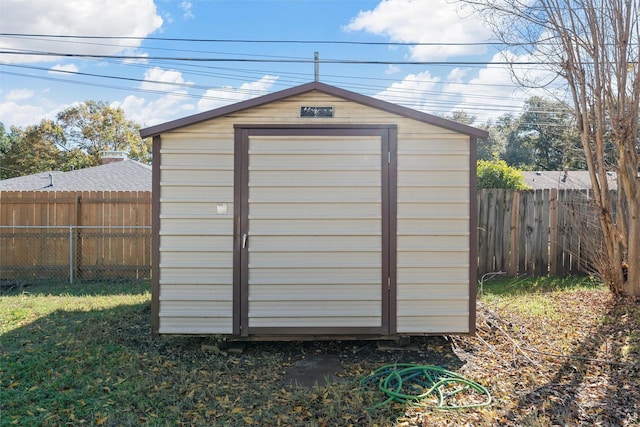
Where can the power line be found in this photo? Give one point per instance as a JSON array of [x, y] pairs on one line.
[[272, 60], [432, 104], [252, 41], [396, 91]]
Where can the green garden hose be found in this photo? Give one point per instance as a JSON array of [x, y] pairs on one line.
[[427, 386]]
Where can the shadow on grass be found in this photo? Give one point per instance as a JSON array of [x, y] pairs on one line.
[[586, 390], [102, 366]]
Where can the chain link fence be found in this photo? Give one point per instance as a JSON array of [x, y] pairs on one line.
[[74, 253]]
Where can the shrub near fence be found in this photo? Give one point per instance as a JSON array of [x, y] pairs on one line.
[[75, 235], [536, 233]]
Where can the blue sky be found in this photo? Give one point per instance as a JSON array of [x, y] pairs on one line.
[[245, 48]]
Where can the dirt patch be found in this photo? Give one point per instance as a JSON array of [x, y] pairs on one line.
[[318, 369]]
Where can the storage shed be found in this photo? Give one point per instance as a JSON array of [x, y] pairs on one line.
[[314, 212]]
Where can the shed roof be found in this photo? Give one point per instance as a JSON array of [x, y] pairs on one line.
[[126, 175], [321, 87]]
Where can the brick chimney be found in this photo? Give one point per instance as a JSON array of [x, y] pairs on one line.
[[113, 156]]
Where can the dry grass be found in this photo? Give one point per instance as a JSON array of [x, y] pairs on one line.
[[550, 352]]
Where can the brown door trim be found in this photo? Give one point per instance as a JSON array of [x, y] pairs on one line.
[[388, 135]]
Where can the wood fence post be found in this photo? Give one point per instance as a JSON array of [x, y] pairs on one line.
[[492, 225], [544, 234], [514, 244], [482, 231], [505, 243], [553, 232]]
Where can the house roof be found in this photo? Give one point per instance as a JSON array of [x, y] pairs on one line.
[[125, 175], [321, 87], [570, 180]]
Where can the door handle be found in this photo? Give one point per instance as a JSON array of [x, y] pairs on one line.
[[244, 240]]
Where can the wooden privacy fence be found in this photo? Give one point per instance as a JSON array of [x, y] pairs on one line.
[[75, 235], [103, 234], [536, 233]]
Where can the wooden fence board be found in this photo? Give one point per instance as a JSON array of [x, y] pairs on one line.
[[498, 248], [535, 232], [482, 230], [519, 232], [553, 232], [514, 241], [542, 244], [45, 251], [505, 232]]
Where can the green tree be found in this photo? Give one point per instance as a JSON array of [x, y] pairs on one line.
[[497, 174], [592, 47], [519, 150], [4, 139], [94, 126], [461, 116], [547, 127], [74, 140], [32, 150], [500, 132], [37, 149]]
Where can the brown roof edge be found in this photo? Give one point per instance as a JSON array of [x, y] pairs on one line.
[[322, 87]]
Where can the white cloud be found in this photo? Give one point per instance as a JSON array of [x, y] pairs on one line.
[[219, 97], [134, 18], [151, 112], [137, 56], [414, 21], [177, 104], [457, 75], [186, 8], [19, 95], [413, 91], [487, 94], [67, 68], [392, 69], [19, 113], [22, 107], [164, 80]]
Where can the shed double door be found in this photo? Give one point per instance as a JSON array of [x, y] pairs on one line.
[[313, 230]]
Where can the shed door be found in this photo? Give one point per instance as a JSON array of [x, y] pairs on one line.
[[313, 231]]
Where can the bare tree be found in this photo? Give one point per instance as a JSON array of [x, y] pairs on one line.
[[592, 47]]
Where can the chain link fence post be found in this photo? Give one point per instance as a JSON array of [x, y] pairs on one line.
[[71, 254]]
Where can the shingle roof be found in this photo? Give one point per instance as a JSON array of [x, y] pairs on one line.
[[573, 180], [126, 175]]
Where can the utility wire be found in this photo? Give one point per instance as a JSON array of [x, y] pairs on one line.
[[264, 60], [432, 104], [396, 92], [274, 41]]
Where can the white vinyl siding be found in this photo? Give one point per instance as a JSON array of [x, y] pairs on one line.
[[331, 276], [315, 232], [433, 235], [196, 235]]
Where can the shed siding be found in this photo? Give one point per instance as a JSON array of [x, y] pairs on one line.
[[196, 234], [433, 234], [196, 184]]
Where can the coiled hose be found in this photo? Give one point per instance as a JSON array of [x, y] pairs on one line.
[[427, 386]]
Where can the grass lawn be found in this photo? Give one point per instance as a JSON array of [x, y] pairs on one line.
[[550, 351]]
